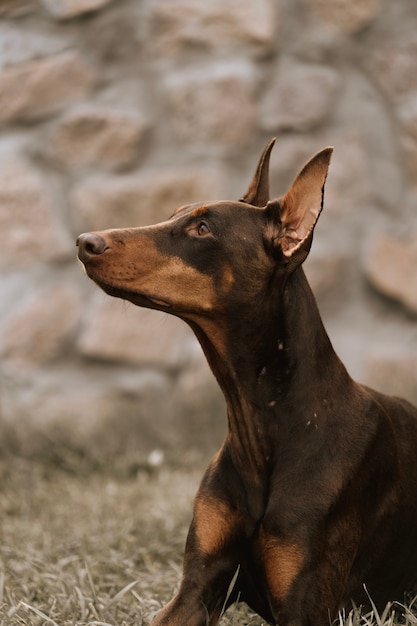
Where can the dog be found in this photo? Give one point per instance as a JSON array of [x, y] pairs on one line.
[[311, 502]]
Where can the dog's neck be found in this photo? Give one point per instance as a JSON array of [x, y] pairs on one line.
[[274, 366]]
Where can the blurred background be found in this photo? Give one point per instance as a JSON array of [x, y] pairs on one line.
[[114, 113]]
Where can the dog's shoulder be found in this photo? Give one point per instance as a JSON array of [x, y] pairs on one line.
[[393, 405]]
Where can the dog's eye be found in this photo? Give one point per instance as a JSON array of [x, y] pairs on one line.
[[203, 229]]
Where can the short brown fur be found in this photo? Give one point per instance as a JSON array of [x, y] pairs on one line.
[[313, 495], [215, 524], [283, 563]]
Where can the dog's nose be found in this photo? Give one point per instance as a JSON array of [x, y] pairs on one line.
[[90, 245]]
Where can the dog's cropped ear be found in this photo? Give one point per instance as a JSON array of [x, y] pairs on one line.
[[258, 192], [297, 212]]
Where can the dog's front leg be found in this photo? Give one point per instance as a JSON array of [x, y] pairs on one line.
[[210, 562], [307, 586]]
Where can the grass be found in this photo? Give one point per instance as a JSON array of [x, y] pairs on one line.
[[101, 548]]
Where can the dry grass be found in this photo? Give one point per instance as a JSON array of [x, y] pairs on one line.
[[86, 548]]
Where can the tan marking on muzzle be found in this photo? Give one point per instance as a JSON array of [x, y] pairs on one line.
[[134, 263]]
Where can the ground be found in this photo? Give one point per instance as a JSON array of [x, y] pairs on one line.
[[82, 547]]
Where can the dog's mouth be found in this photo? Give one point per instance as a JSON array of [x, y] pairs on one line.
[[140, 299]]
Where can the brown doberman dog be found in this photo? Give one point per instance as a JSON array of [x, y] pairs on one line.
[[312, 500]]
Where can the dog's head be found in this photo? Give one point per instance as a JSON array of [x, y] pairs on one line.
[[209, 258]]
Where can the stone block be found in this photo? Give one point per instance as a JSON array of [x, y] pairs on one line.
[[74, 406], [106, 414], [35, 89], [391, 267], [187, 24], [116, 331], [409, 148], [407, 115], [96, 136], [326, 271], [214, 108], [17, 8], [18, 45], [300, 97], [346, 16], [30, 225], [202, 409], [39, 330], [393, 65], [140, 199], [349, 184], [66, 9]]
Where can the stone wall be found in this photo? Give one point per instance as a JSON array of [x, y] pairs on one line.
[[114, 113]]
